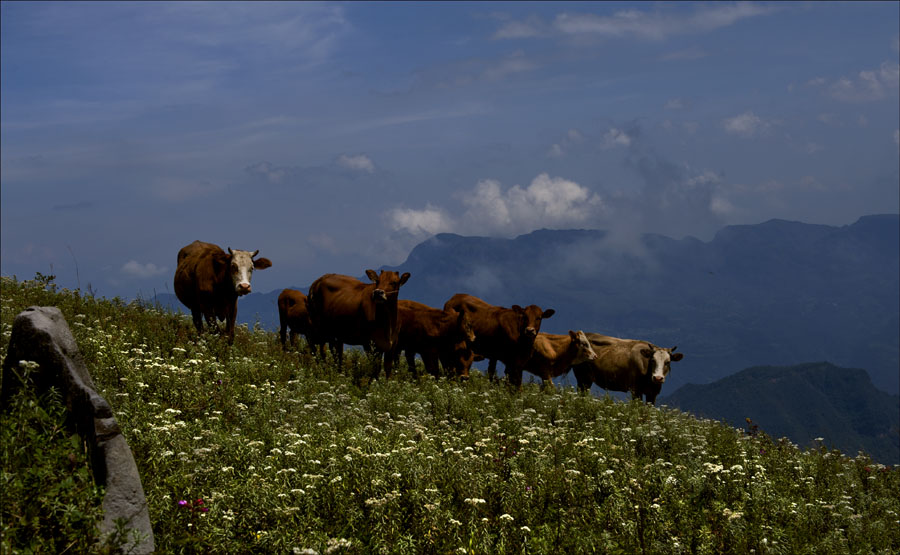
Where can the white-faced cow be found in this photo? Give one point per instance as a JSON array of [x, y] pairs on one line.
[[504, 334], [209, 281], [293, 313], [626, 365], [345, 310], [555, 354]]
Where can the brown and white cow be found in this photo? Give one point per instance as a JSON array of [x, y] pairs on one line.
[[626, 365], [555, 354], [294, 314], [345, 310], [437, 335], [209, 281], [504, 334]]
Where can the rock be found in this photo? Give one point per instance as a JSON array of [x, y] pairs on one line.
[[40, 334]]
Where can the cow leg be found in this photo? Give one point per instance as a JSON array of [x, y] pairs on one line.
[[411, 362], [651, 398], [388, 364], [294, 339], [431, 364], [230, 317], [492, 369], [198, 320], [283, 336]]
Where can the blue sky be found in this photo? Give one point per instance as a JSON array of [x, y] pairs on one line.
[[334, 137]]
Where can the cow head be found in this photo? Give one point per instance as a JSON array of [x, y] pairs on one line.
[[583, 349], [530, 320], [658, 361], [387, 284], [241, 266]]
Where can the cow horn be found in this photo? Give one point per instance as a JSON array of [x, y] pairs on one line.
[[673, 349], [229, 251], [254, 253]]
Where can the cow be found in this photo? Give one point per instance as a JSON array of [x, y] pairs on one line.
[[555, 354], [209, 281], [437, 335], [345, 310], [294, 314], [626, 365], [504, 334]]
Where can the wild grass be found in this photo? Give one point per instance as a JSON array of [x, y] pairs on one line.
[[249, 449]]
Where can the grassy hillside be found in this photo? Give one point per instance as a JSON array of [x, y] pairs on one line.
[[246, 449]]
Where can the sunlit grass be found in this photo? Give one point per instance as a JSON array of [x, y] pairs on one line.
[[246, 448]]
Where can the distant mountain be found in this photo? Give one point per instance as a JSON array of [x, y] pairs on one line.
[[802, 403], [774, 293], [779, 292]]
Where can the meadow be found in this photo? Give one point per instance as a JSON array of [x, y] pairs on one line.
[[250, 449]]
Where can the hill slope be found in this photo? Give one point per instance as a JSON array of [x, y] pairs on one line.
[[801, 403]]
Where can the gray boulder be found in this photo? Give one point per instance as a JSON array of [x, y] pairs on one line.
[[41, 335]]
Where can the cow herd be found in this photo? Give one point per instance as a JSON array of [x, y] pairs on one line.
[[343, 310]]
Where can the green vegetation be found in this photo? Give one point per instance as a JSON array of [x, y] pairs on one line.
[[248, 449]]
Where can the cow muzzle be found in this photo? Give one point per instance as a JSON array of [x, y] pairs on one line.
[[530, 332], [243, 289], [379, 295], [659, 379]]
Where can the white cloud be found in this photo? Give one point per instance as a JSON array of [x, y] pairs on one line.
[[615, 137], [136, 269], [268, 171], [429, 221], [657, 25], [674, 104], [556, 151], [359, 162], [868, 85], [533, 27], [551, 202], [747, 124], [547, 202]]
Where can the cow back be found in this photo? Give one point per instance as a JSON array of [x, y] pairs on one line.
[[201, 273]]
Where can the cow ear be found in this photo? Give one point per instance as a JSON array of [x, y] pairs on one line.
[[548, 313], [647, 353], [573, 335], [677, 356], [404, 278], [261, 263], [372, 275]]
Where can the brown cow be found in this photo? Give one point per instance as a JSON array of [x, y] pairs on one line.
[[504, 334], [293, 313], [345, 310], [626, 365], [209, 281], [437, 335], [555, 354]]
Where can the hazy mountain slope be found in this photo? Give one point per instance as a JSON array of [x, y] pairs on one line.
[[802, 403], [773, 293]]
